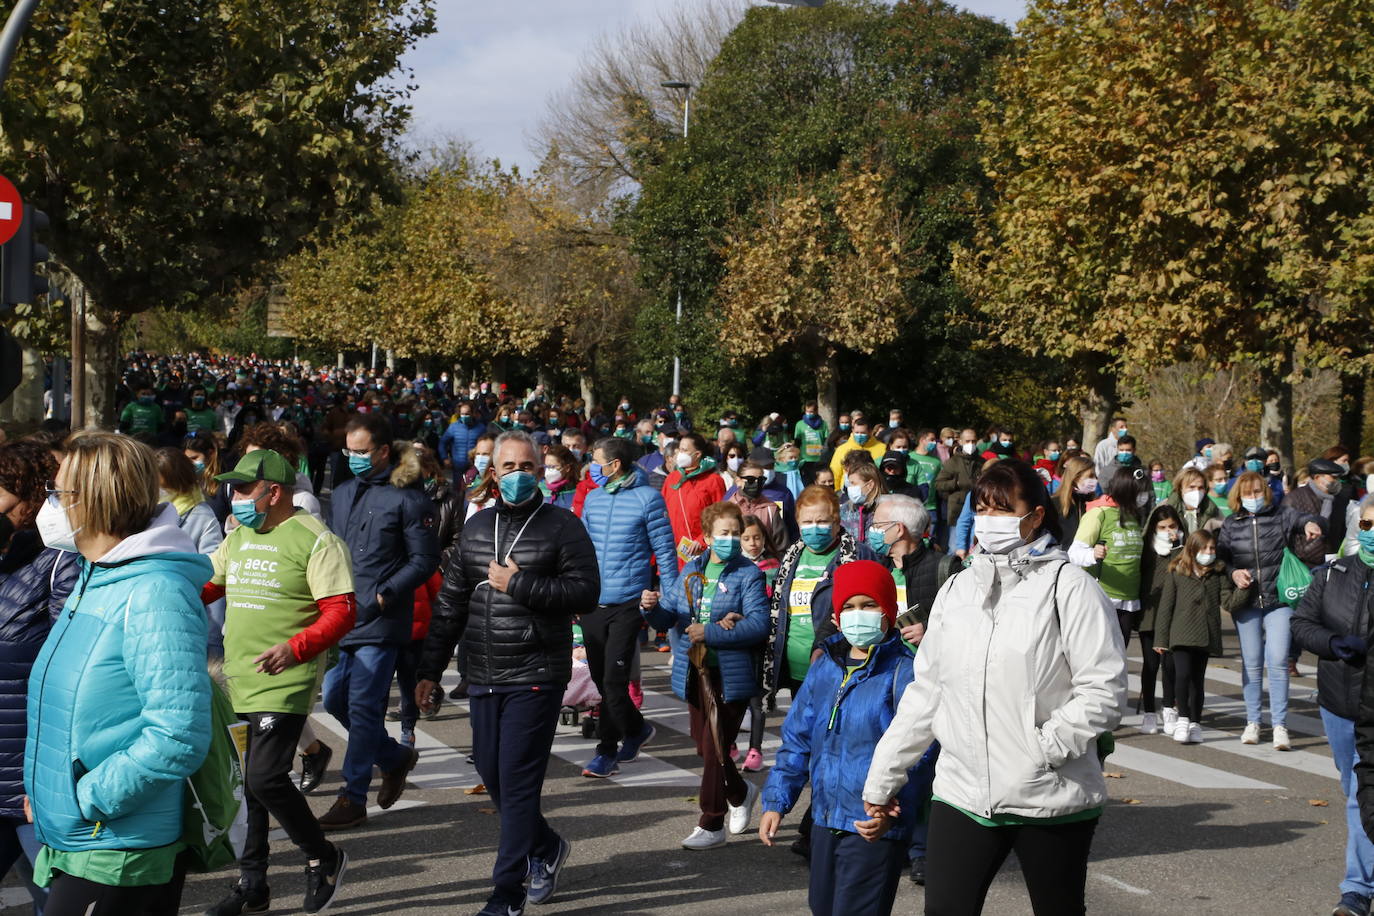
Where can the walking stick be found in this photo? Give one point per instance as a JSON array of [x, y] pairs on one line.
[[696, 655]]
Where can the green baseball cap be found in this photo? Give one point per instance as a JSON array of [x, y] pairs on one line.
[[261, 464]]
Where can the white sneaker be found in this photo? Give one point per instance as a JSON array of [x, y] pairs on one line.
[[1281, 739], [705, 839], [1194, 733], [1149, 724], [1251, 734], [1168, 717], [1181, 731], [738, 818]]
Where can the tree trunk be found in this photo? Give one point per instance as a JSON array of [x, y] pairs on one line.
[[1276, 409], [27, 400], [544, 376], [498, 369], [341, 360], [1097, 408], [391, 359], [588, 385], [1352, 413], [828, 389], [102, 364]]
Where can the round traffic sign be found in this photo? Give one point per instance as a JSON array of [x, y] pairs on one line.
[[11, 210]]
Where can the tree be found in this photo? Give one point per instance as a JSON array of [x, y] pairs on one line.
[[181, 149], [1183, 182]]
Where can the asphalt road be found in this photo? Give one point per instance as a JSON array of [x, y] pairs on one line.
[[1217, 828]]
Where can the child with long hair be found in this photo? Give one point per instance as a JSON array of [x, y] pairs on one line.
[[757, 545]]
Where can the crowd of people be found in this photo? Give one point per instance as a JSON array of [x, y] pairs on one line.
[[949, 611]]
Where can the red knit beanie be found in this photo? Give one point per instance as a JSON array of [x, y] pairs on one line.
[[865, 577]]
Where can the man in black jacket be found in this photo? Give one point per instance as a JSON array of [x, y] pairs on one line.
[[511, 588], [1324, 498], [390, 536]]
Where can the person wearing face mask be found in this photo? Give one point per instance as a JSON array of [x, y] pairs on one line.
[[200, 415], [1125, 457], [1163, 541], [787, 466], [771, 432], [558, 481], [777, 488], [894, 475], [627, 520], [461, 435], [1188, 626], [1333, 622], [1324, 497], [1189, 499], [688, 490], [728, 614], [479, 481], [955, 480], [1252, 541], [828, 739], [811, 433], [122, 700], [1078, 489], [1218, 486], [1109, 542], [894, 423], [1046, 458], [1163, 487], [732, 457], [860, 439], [1104, 453], [281, 618], [961, 536], [749, 495], [1278, 480], [897, 538], [800, 603], [180, 488], [659, 463], [1018, 767], [390, 533], [863, 487], [142, 418], [34, 583], [512, 586]]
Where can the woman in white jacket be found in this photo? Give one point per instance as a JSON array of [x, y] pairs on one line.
[[1021, 668]]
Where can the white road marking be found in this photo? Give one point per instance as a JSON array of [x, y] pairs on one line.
[[1184, 772], [1120, 885]]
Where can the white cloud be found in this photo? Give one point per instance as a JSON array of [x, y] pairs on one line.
[[488, 71]]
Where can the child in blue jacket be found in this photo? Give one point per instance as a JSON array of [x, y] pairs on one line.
[[846, 703]]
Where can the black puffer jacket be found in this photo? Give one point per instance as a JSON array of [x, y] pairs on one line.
[[524, 635], [1306, 500], [1256, 543], [1336, 604]]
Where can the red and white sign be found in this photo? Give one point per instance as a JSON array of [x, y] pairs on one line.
[[11, 210]]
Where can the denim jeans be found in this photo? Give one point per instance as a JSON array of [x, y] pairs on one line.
[[1359, 851], [356, 692], [1264, 642]]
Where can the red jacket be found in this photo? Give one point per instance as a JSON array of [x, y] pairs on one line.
[[584, 486], [424, 606], [686, 502]]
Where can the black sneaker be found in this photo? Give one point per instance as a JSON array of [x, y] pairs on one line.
[[436, 700], [498, 907], [459, 692], [244, 897], [322, 882], [918, 870], [802, 846], [313, 768]]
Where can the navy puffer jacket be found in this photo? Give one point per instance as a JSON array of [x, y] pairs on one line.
[[34, 583]]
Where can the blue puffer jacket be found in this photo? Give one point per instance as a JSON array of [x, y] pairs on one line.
[[119, 698], [34, 581], [831, 730], [458, 440], [630, 529], [391, 536], [741, 591]]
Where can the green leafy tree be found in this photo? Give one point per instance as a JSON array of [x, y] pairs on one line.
[[181, 149]]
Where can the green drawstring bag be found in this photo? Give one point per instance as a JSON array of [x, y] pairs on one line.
[[1294, 578]]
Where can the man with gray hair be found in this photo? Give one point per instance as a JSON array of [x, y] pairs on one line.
[[512, 585]]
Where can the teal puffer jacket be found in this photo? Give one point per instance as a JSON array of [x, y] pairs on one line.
[[119, 697]]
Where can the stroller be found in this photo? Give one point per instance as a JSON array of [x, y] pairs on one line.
[[581, 699]]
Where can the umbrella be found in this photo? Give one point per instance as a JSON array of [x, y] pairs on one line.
[[697, 656]]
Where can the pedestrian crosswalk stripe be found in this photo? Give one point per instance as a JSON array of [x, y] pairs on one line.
[[1184, 772]]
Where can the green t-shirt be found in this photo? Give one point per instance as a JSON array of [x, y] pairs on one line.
[[110, 867], [1219, 500], [812, 441], [201, 419], [922, 470], [713, 573], [1163, 489], [140, 418], [1016, 820], [272, 580], [801, 630], [1119, 571]]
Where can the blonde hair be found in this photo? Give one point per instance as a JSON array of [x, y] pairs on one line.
[[116, 482], [1069, 474]]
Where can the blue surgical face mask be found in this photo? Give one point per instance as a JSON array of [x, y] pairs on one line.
[[877, 540], [1366, 539], [1053, 456], [481, 463], [360, 465], [1121, 433], [517, 487], [817, 537], [1125, 457], [597, 473], [725, 547], [1254, 464], [1252, 503], [246, 511], [860, 438], [862, 628], [199, 466]]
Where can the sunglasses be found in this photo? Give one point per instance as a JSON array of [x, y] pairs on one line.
[[1366, 524]]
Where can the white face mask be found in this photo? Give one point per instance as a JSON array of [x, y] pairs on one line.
[[1163, 544], [1192, 499], [949, 442], [683, 460], [968, 447], [998, 533], [855, 492], [54, 527], [1142, 500], [1206, 559], [552, 475], [734, 464], [768, 475]]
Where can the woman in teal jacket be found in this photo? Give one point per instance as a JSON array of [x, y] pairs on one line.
[[119, 698], [729, 616]]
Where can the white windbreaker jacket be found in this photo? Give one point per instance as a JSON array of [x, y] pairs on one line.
[[1015, 693]]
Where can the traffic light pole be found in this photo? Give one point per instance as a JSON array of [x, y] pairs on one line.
[[14, 30]]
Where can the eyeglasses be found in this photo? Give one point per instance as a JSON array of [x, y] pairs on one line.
[[358, 453], [1366, 524], [53, 490]]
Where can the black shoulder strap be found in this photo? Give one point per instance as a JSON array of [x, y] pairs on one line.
[[1057, 621]]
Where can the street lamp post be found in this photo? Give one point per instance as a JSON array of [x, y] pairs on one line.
[[686, 118]]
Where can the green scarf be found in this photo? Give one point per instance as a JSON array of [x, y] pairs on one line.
[[1366, 557], [707, 464]]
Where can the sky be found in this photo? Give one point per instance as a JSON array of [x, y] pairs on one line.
[[487, 73]]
